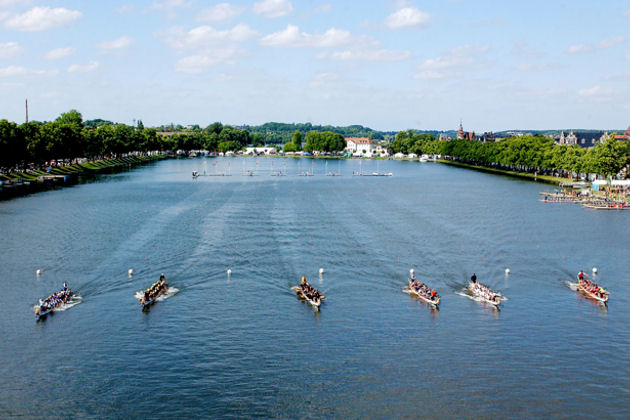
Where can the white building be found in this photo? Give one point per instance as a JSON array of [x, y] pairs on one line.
[[570, 139], [381, 150], [360, 146]]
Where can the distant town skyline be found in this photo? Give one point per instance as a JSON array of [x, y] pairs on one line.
[[389, 65]]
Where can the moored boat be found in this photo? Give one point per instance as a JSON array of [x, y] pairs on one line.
[[52, 302]]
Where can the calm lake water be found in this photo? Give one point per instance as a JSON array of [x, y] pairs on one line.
[[245, 346]]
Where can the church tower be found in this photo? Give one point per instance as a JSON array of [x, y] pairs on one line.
[[460, 132]]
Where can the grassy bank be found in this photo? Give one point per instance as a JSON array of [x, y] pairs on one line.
[[523, 175], [28, 181]]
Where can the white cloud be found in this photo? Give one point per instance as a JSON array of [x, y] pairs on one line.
[[535, 67], [522, 49], [462, 56], [8, 3], [459, 58], [490, 22], [370, 55], [323, 8], [200, 63], [606, 43], [324, 79], [170, 5], [11, 71], [222, 12], [9, 49], [49, 95], [595, 92], [273, 8], [291, 37], [429, 75], [578, 48], [42, 18], [407, 17], [60, 53], [125, 8], [84, 68], [205, 35], [114, 45], [223, 77]]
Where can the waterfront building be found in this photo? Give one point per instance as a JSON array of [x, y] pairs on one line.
[[381, 150], [254, 151], [360, 146], [583, 139], [464, 135], [623, 137], [488, 136], [570, 139]]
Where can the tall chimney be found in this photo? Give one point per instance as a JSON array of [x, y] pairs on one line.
[[27, 110]]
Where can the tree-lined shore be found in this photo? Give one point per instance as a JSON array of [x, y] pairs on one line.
[[528, 154], [34, 146], [68, 137]]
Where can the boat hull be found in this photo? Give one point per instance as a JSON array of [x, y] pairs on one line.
[[423, 298], [39, 314], [152, 301], [475, 293], [593, 296], [311, 302]]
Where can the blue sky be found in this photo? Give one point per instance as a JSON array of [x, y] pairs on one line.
[[389, 65]]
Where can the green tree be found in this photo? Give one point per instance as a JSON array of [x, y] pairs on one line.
[[215, 127], [289, 147], [12, 144], [296, 139], [71, 117]]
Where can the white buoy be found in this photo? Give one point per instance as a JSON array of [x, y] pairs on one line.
[[130, 272], [321, 271], [229, 272], [38, 272], [507, 271], [594, 270]]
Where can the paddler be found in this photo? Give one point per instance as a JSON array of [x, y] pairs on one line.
[[581, 275], [473, 278]]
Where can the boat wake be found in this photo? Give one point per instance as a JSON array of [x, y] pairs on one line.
[[479, 298], [170, 291], [572, 286], [469, 296]]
